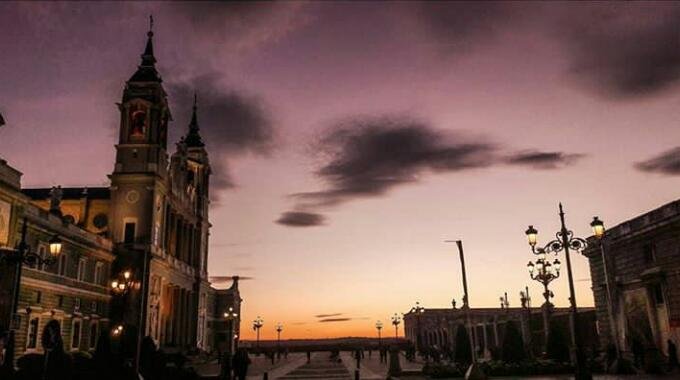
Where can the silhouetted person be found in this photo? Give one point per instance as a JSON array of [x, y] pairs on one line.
[[148, 358], [57, 362], [672, 355], [309, 356], [226, 365], [240, 363], [638, 352]]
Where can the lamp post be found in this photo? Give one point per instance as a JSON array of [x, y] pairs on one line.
[[473, 372], [379, 326], [279, 328], [418, 310], [257, 325], [123, 283], [565, 241], [396, 321], [505, 304], [542, 271], [599, 232], [17, 257], [230, 315]]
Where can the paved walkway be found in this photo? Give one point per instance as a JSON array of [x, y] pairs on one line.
[[320, 367]]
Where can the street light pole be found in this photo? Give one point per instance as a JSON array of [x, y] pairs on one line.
[[279, 328], [599, 232], [566, 241], [473, 372], [379, 326], [257, 324], [544, 272], [396, 321], [17, 257], [418, 310]]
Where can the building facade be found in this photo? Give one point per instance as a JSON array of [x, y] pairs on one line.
[[642, 257], [148, 230], [438, 327], [74, 290]]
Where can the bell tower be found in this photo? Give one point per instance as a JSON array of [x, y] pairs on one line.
[[144, 116], [141, 153]]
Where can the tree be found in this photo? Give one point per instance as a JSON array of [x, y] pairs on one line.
[[513, 344], [557, 348], [463, 354]]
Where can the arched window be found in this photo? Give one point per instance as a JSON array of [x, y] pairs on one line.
[[137, 121]]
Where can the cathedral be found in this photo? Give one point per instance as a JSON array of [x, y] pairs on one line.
[[144, 238]]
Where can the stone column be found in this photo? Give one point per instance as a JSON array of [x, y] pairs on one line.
[[487, 352], [495, 331]]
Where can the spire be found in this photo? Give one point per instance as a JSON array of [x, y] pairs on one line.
[[146, 71], [193, 138], [147, 58]]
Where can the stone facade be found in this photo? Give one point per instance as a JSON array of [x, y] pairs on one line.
[[73, 291], [220, 328], [152, 222], [643, 267], [437, 327]]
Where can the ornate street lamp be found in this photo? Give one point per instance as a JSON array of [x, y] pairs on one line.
[[505, 304], [279, 328], [599, 231], [379, 326], [123, 283], [22, 254], [565, 241], [257, 325], [417, 310], [396, 321], [230, 315], [542, 271]]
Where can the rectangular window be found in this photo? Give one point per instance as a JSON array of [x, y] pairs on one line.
[[32, 338], [38, 296], [93, 306], [129, 236], [42, 252], [94, 334], [81, 269], [76, 304], [649, 253], [99, 273], [63, 262], [75, 334], [60, 301]]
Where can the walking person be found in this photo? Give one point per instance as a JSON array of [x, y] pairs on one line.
[[241, 362]]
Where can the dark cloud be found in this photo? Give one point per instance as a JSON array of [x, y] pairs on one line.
[[232, 123], [241, 24], [617, 50], [300, 219], [463, 24], [624, 50], [330, 320], [543, 160], [667, 163], [368, 157], [328, 315]]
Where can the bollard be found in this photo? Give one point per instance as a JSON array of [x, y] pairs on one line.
[[265, 376], [356, 374]]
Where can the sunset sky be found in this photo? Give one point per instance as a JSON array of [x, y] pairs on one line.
[[349, 140]]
